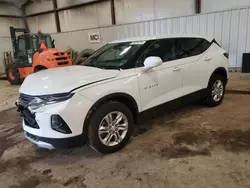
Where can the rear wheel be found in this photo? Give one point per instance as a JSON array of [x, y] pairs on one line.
[[111, 127], [13, 75], [216, 90]]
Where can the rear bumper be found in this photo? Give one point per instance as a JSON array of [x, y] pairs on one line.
[[53, 143]]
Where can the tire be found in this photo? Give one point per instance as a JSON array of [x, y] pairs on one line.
[[75, 54], [79, 61], [40, 68], [96, 140], [86, 53], [83, 55], [211, 100], [13, 75]]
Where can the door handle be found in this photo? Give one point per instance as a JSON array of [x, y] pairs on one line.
[[177, 69], [207, 59]]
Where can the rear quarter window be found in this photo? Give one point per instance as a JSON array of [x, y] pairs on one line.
[[187, 47]]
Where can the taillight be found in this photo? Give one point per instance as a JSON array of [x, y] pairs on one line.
[[226, 55]]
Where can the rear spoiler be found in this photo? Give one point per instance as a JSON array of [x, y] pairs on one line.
[[226, 53], [214, 41]]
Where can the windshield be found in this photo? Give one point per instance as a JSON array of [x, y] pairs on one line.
[[114, 55], [38, 39]]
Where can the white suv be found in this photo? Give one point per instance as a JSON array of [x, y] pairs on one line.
[[100, 101]]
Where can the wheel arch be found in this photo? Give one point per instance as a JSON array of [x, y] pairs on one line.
[[124, 98], [221, 71]]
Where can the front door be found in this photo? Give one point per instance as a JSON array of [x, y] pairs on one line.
[[163, 83]]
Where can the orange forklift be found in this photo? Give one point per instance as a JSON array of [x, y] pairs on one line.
[[33, 52]]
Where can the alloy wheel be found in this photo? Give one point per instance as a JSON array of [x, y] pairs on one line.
[[217, 90], [113, 128]]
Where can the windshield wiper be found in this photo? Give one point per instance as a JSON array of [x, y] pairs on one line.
[[91, 62]]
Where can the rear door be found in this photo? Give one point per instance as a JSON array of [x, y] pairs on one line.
[[163, 83], [197, 63]]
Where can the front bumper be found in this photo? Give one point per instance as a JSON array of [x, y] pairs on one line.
[[52, 143], [37, 124]]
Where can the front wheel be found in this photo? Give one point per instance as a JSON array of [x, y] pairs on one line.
[[110, 127], [13, 75], [216, 90]]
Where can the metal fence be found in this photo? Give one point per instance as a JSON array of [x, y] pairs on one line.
[[231, 29]]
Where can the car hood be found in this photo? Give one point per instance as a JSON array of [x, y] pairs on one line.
[[61, 80]]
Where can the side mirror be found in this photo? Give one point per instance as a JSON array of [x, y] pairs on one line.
[[151, 62]]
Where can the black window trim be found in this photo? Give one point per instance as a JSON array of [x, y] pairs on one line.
[[134, 61], [151, 42], [202, 40]]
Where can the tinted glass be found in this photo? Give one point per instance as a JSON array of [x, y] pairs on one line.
[[21, 44], [164, 49], [48, 42], [35, 43], [186, 47], [38, 39]]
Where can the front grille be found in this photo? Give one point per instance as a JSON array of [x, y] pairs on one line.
[[61, 58], [31, 136], [29, 118], [59, 54], [24, 100], [63, 63]]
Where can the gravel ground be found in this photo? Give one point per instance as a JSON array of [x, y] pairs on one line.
[[8, 95], [239, 81], [194, 146]]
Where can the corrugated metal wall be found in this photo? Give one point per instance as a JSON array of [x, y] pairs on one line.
[[5, 42], [230, 28]]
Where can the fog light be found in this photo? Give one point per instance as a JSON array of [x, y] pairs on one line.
[[58, 124]]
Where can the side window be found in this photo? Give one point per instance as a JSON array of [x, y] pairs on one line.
[[187, 47], [165, 49], [21, 44], [48, 42], [205, 45]]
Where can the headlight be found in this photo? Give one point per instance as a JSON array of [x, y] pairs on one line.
[[41, 101], [56, 97]]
